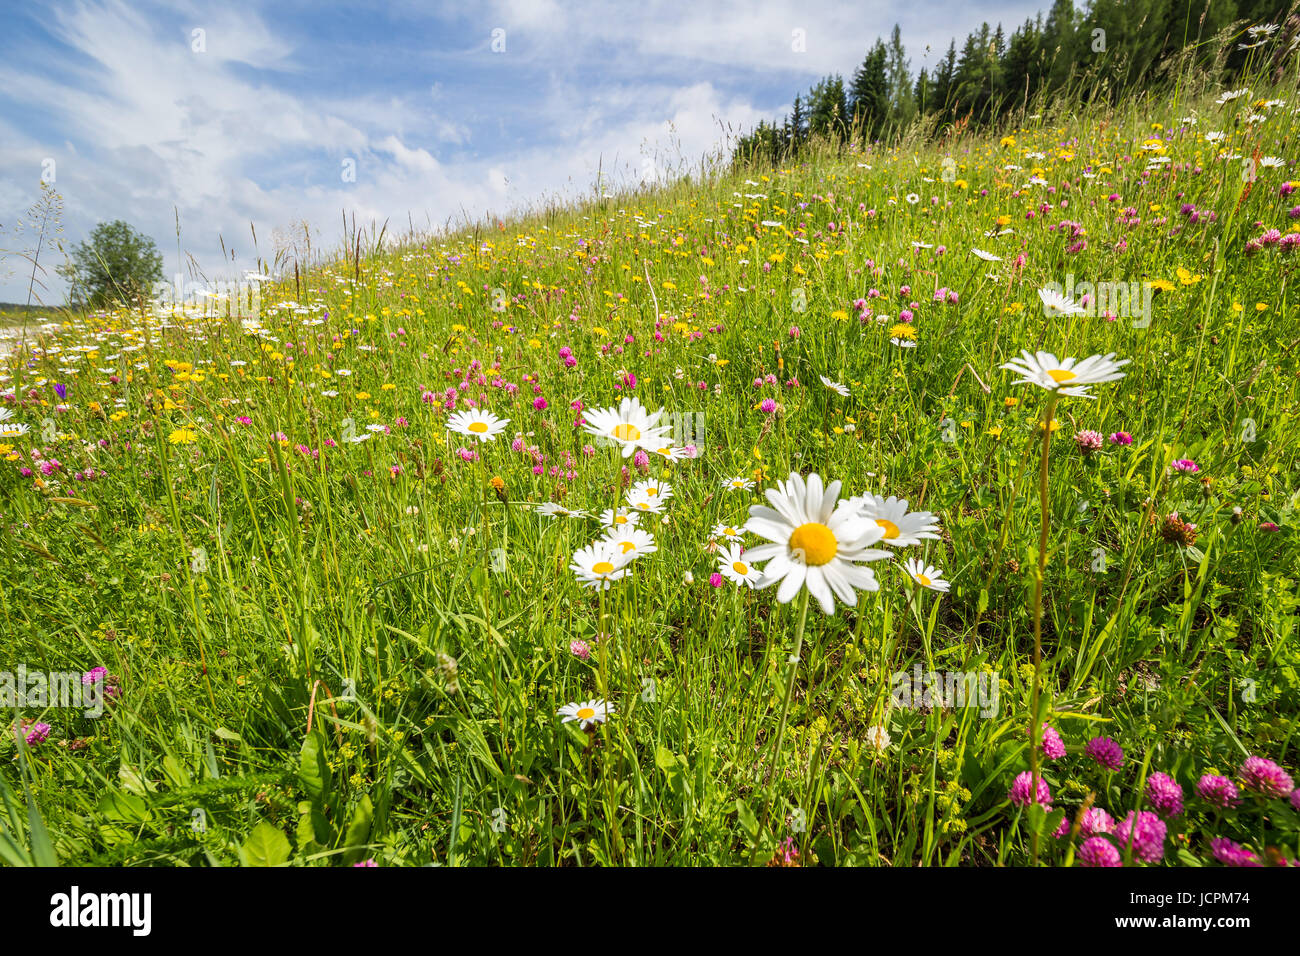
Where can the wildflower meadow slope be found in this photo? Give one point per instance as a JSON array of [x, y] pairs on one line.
[[763, 518]]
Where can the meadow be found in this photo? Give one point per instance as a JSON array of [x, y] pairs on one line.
[[407, 567]]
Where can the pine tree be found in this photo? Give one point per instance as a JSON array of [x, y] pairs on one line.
[[1018, 71], [1058, 42], [902, 107], [828, 110], [870, 92], [798, 123], [941, 83]]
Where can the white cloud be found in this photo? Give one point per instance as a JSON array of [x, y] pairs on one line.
[[233, 135]]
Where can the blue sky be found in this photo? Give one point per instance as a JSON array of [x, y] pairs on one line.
[[256, 117]]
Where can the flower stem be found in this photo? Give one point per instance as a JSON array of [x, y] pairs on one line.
[[1034, 722], [789, 692]]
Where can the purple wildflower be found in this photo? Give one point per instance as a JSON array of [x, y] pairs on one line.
[[1098, 851], [1019, 792], [1145, 832], [1232, 854], [1218, 791], [1265, 777], [1164, 794], [1106, 752]]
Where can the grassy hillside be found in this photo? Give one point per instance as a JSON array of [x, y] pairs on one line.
[[336, 630]]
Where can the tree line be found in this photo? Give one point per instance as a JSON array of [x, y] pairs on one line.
[[1103, 49]]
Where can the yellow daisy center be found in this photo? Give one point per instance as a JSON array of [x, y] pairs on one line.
[[602, 567], [585, 713], [1061, 375], [814, 542], [626, 432], [620, 519], [651, 492], [922, 580], [627, 546], [728, 531], [478, 427], [891, 529], [740, 568]]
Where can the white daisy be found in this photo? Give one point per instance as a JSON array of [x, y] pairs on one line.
[[986, 256], [610, 518], [651, 488], [735, 568], [737, 484], [631, 541], [650, 504], [835, 386], [477, 423], [589, 712], [815, 541], [670, 452], [630, 425], [551, 509], [599, 564], [728, 532], [1065, 376], [13, 430], [925, 575], [902, 528], [1057, 303]]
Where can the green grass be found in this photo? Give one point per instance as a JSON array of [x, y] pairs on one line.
[[293, 681]]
